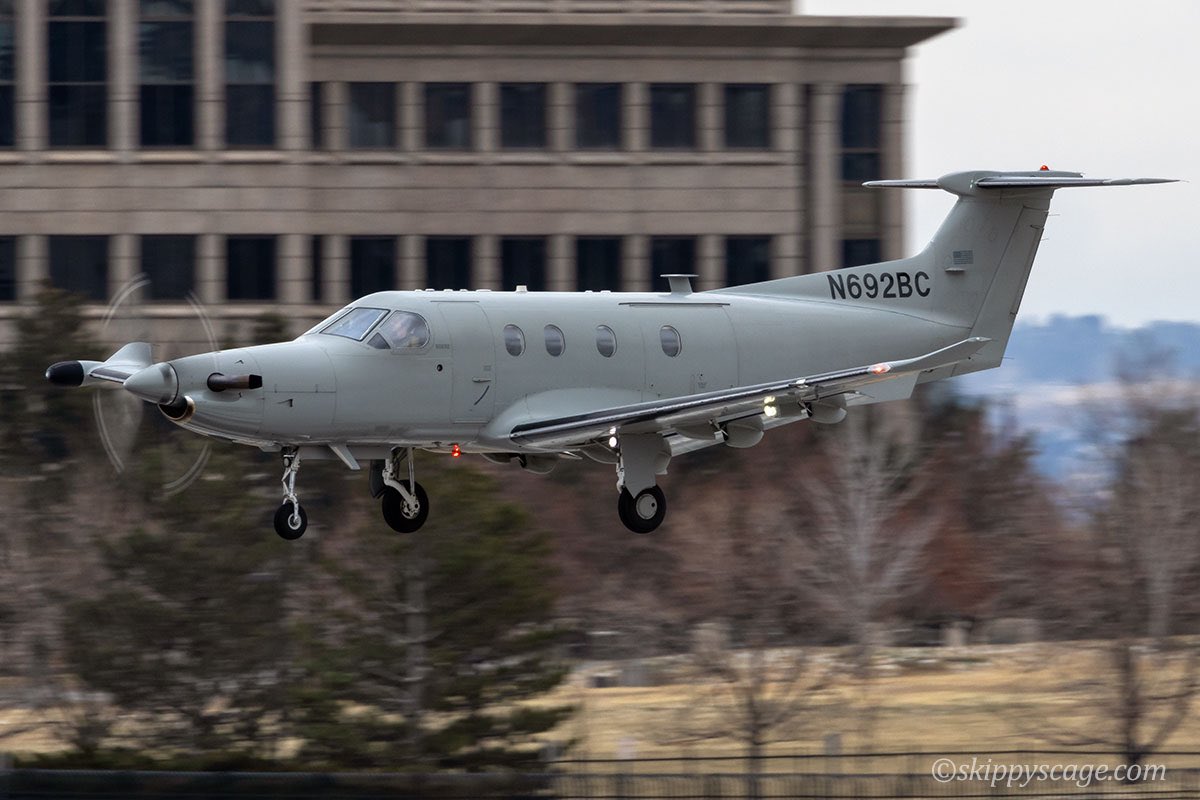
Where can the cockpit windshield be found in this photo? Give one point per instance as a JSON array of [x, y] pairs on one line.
[[403, 330], [355, 324]]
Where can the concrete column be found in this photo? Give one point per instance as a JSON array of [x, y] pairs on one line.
[[786, 118], [892, 166], [337, 98], [635, 264], [710, 123], [124, 261], [637, 117], [486, 269], [210, 75], [122, 77], [291, 77], [791, 124], [786, 256], [486, 117], [559, 273], [710, 262], [210, 269], [561, 136], [411, 272], [31, 75], [824, 190], [295, 269], [412, 116], [336, 289], [33, 266]]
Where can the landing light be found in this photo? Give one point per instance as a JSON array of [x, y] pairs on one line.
[[612, 442], [880, 369], [455, 451], [771, 411]]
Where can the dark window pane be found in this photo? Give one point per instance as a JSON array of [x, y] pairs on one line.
[[316, 256], [169, 262], [250, 267], [6, 48], [598, 116], [77, 115], [8, 269], [80, 264], [167, 8], [671, 255], [598, 263], [249, 8], [250, 116], [748, 116], [166, 115], [859, 167], [372, 115], [249, 52], [76, 8], [316, 115], [372, 264], [7, 114], [165, 50], [448, 116], [747, 259], [77, 51], [856, 252], [448, 262], [862, 113], [673, 115], [523, 263], [523, 115]]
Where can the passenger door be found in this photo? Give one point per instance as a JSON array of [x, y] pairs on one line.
[[473, 361]]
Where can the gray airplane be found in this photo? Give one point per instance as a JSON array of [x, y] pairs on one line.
[[628, 379]]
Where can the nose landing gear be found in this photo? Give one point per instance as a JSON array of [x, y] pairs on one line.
[[290, 519], [405, 504]]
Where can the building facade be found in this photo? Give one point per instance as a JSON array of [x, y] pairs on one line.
[[290, 155]]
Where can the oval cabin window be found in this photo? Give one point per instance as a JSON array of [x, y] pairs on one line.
[[514, 340], [671, 343], [606, 341], [556, 343]]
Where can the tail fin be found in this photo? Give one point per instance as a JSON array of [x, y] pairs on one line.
[[972, 274]]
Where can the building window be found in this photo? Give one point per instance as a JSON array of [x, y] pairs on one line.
[[598, 263], [856, 252], [169, 262], [606, 341], [523, 263], [167, 93], [316, 115], [372, 112], [250, 267], [747, 259], [7, 81], [514, 340], [8, 269], [448, 116], [523, 115], [673, 116], [748, 116], [598, 116], [448, 262], [80, 264], [556, 343], [77, 89], [316, 275], [372, 264], [250, 73], [862, 132], [671, 255]]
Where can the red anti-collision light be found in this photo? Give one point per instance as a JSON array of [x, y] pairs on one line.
[[455, 452]]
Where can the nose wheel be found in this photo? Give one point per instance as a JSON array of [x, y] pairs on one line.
[[290, 519], [405, 504], [644, 512]]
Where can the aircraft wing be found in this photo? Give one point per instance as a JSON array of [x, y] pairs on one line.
[[660, 416]]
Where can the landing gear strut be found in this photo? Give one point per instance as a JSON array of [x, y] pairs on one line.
[[290, 519], [405, 504]]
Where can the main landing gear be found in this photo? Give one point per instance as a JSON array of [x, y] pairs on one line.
[[641, 505], [290, 519], [405, 504]]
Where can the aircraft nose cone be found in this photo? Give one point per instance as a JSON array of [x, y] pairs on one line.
[[156, 383]]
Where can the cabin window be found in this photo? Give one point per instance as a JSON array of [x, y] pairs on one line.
[[355, 324], [403, 330], [606, 341], [514, 340], [555, 341], [671, 343]]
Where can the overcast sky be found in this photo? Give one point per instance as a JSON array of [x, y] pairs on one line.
[[1110, 89]]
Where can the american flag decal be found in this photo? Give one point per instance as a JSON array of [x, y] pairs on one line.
[[964, 257]]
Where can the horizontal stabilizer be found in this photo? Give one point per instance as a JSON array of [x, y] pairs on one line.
[[965, 183]]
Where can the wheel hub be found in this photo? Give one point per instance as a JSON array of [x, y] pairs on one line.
[[646, 506]]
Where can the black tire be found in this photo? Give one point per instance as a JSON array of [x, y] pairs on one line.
[[393, 510], [644, 513], [283, 522]]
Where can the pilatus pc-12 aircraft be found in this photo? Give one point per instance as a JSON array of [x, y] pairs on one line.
[[628, 379]]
